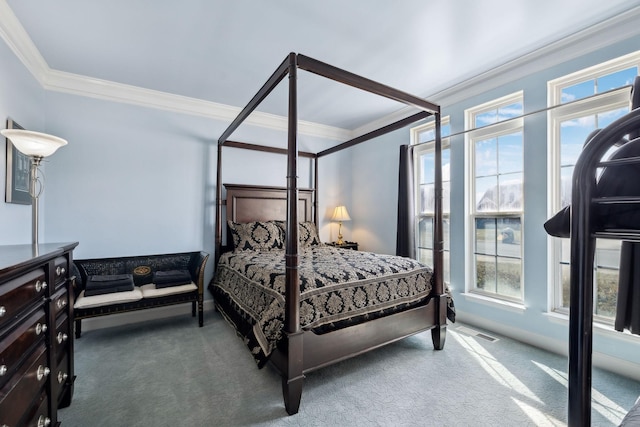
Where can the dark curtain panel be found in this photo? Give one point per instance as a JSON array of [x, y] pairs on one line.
[[628, 308], [628, 305], [405, 238]]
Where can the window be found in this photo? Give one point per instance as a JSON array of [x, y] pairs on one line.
[[587, 100], [495, 191], [424, 159]]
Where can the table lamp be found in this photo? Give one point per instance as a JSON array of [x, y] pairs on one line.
[[340, 214]]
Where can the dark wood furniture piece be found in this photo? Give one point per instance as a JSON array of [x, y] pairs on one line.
[[36, 344], [195, 262], [587, 207], [303, 351], [345, 245]]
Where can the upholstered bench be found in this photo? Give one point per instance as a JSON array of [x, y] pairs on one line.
[[143, 293]]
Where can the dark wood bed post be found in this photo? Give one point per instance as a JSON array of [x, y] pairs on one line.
[[293, 377], [438, 333], [218, 247]]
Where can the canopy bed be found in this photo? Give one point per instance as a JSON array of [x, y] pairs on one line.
[[267, 281]]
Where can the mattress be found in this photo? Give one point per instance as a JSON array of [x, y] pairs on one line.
[[338, 288]]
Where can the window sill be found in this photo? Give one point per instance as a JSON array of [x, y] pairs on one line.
[[598, 328], [494, 302]]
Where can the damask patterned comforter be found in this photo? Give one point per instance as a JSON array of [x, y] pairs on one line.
[[339, 287]]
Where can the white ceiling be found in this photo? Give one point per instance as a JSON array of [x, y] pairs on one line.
[[221, 52]]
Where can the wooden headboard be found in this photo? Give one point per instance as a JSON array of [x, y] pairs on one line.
[[247, 203]]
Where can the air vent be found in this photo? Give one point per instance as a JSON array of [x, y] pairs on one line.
[[473, 333]]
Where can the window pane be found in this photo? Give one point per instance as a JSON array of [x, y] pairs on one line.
[[486, 273], [446, 197], [509, 237], [510, 153], [446, 229], [573, 134], [606, 292], [487, 194], [425, 256], [486, 236], [510, 197], [617, 79], [486, 155], [509, 272], [486, 118], [427, 198], [606, 118], [427, 162], [425, 233], [578, 91], [566, 286], [565, 186], [510, 111]]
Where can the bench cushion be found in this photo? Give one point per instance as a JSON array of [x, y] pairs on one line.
[[107, 299], [150, 291]]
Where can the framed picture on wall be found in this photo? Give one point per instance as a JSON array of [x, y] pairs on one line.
[[18, 165]]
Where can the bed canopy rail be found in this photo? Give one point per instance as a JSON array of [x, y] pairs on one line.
[[293, 371]]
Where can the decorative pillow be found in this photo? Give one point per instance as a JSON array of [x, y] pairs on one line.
[[308, 234], [142, 275], [255, 235]]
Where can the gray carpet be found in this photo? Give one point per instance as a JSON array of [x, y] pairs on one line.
[[172, 373]]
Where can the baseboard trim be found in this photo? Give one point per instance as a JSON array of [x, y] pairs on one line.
[[120, 319], [609, 363]]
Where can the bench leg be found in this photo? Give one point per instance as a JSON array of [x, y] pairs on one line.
[[78, 328], [200, 313], [193, 308]]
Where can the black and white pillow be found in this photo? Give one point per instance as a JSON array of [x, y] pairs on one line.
[[308, 234], [256, 235]]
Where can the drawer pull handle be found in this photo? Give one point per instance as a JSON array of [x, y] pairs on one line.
[[40, 328], [44, 421], [62, 377], [61, 303], [40, 286], [61, 337], [3, 311], [3, 370], [42, 372], [60, 271]]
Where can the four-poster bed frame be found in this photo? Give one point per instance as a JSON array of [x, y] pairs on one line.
[[303, 351]]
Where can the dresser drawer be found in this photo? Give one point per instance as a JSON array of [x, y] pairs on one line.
[[61, 339], [40, 414], [19, 293], [15, 346], [61, 378], [60, 270], [20, 394], [60, 302]]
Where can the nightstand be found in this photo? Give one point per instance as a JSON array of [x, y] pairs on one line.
[[345, 245]]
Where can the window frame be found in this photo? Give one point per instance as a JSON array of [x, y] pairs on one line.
[[559, 112]]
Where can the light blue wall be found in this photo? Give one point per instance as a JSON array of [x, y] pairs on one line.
[[23, 100], [375, 197]]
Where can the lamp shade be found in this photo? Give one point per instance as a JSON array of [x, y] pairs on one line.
[[34, 144], [340, 214]]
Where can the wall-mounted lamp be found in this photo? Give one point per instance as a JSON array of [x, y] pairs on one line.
[[340, 214], [36, 146]]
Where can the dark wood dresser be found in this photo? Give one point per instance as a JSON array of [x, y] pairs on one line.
[[36, 340]]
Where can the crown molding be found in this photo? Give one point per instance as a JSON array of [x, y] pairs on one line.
[[598, 36], [595, 37], [22, 46]]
